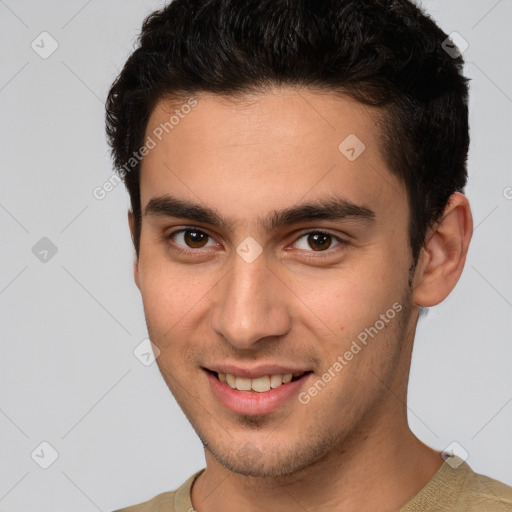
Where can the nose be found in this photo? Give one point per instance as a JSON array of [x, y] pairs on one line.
[[250, 305]]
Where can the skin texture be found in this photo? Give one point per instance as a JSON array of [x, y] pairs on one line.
[[350, 447]]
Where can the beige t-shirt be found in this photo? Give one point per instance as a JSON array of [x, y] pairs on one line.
[[455, 487]]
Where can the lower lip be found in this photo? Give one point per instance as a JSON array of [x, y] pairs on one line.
[[252, 402]]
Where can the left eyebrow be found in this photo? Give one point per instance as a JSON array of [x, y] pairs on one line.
[[336, 208], [332, 209]]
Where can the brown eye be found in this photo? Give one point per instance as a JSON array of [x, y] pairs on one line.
[[319, 241], [190, 238], [194, 238]]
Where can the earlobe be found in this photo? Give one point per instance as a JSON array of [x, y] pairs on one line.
[[443, 256], [136, 276]]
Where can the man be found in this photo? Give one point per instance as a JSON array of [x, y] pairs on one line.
[[296, 173]]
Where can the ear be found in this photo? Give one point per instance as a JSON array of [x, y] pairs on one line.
[[443, 256], [136, 276]]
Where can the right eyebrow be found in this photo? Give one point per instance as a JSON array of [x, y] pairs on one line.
[[169, 206]]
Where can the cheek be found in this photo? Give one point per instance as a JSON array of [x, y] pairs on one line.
[[351, 293], [170, 293], [340, 305], [174, 312]]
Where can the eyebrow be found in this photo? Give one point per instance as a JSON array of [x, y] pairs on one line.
[[333, 208]]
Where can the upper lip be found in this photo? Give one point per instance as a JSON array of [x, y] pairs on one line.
[[256, 371]]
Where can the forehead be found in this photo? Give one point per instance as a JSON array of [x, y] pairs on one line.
[[298, 118], [243, 154]]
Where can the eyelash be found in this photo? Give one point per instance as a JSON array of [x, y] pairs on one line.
[[318, 254]]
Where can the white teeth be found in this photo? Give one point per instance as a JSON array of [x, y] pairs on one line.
[[260, 384], [243, 384], [276, 381], [231, 380]]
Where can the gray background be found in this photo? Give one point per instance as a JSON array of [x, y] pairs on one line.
[[69, 324]]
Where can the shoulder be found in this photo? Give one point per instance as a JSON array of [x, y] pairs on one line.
[[457, 488], [164, 501], [171, 501], [482, 493]]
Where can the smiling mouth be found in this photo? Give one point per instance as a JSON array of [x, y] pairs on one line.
[[260, 384]]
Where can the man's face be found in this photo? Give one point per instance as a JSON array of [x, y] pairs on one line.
[[258, 293]]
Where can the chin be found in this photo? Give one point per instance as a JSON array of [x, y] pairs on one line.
[[269, 462], [258, 467]]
